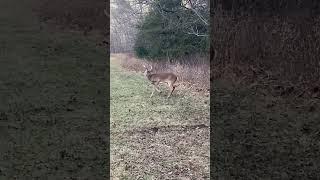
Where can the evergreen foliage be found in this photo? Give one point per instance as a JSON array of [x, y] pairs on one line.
[[164, 32]]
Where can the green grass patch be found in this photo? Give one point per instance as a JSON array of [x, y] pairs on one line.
[[156, 137]]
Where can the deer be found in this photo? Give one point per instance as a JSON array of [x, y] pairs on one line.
[[157, 78]]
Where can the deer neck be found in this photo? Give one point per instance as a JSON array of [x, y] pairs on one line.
[[149, 76]]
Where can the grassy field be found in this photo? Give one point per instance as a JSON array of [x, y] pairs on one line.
[[52, 97], [263, 136], [156, 138]]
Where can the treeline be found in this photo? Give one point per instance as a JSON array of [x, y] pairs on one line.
[[276, 41], [124, 15], [268, 50], [172, 29], [269, 7]]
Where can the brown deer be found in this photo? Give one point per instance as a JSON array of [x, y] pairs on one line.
[[157, 78]]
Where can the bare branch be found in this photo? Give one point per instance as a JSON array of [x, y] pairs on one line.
[[196, 12], [196, 33]]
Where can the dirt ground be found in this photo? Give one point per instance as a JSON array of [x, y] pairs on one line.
[[52, 100]]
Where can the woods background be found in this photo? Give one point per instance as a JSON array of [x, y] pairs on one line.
[[271, 44]]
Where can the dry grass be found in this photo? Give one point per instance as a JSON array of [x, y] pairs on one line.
[[264, 136], [266, 105], [286, 49], [52, 94], [73, 14], [156, 138], [279, 52], [194, 76]]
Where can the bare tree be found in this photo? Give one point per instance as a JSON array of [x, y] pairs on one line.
[[198, 8], [125, 15]]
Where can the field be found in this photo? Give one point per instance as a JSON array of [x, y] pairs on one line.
[[53, 95], [52, 87], [259, 135], [156, 138]]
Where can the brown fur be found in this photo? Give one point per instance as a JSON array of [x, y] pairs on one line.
[[156, 79]]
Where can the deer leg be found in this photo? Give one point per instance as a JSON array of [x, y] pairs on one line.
[[152, 92], [155, 86], [171, 90]]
